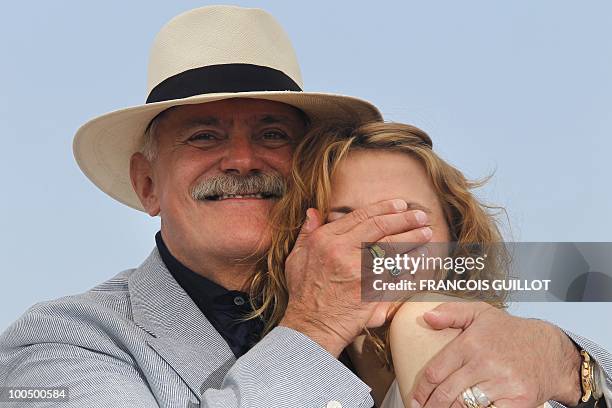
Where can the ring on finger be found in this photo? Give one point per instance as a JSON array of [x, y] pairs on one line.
[[376, 251], [481, 397], [469, 399]]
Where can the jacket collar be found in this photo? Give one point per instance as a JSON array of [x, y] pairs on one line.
[[180, 333]]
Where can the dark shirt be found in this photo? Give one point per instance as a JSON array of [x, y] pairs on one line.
[[222, 307]]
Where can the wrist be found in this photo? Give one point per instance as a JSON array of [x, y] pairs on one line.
[[328, 340], [569, 387]]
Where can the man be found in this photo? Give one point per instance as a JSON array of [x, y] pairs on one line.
[[209, 153]]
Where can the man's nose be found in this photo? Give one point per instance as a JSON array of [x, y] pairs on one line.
[[240, 156]]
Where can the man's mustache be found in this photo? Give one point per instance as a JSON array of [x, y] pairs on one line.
[[265, 185]]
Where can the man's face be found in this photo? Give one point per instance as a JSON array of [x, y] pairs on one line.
[[239, 137]]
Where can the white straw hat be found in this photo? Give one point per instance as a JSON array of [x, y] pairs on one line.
[[204, 55]]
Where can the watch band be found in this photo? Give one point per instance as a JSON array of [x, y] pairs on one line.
[[587, 378]]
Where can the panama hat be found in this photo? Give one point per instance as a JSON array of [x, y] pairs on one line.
[[204, 55]]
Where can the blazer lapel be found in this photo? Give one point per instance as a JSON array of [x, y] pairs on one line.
[[180, 333]]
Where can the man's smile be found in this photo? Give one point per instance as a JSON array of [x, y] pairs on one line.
[[247, 196]]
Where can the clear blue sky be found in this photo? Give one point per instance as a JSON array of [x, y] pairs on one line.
[[521, 88]]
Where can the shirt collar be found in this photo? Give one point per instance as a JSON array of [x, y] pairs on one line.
[[204, 292]]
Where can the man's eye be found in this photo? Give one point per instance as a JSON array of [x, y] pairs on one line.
[[203, 136], [275, 135], [274, 138], [203, 140]]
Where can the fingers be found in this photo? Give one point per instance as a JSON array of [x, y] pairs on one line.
[[449, 393], [407, 243], [387, 220], [412, 224], [492, 391], [380, 315], [457, 315], [313, 221], [407, 238], [438, 369], [450, 390], [356, 217]]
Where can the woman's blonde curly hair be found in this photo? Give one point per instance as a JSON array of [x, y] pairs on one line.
[[315, 160]]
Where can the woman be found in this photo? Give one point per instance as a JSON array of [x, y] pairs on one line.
[[340, 169]]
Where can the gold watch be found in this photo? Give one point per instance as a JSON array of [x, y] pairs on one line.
[[587, 378]]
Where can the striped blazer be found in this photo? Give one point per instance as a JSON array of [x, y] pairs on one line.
[[138, 340]]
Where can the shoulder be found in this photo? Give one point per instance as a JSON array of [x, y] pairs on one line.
[[88, 340], [111, 297], [73, 319]]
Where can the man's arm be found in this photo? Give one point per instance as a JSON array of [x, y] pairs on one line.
[[288, 369], [65, 343], [294, 365], [493, 350], [92, 379], [602, 357], [285, 369], [49, 347]]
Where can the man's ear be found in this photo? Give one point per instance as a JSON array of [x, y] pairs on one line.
[[141, 174]]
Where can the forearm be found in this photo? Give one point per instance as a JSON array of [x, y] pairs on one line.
[[287, 368], [603, 361], [568, 357], [328, 340], [414, 343]]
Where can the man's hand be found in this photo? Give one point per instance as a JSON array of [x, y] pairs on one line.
[[324, 271], [517, 363]]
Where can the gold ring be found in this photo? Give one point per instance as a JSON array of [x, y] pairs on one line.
[[376, 251]]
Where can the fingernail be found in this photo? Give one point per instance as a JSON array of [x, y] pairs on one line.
[[415, 404], [427, 232], [421, 217], [400, 205], [307, 220]]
